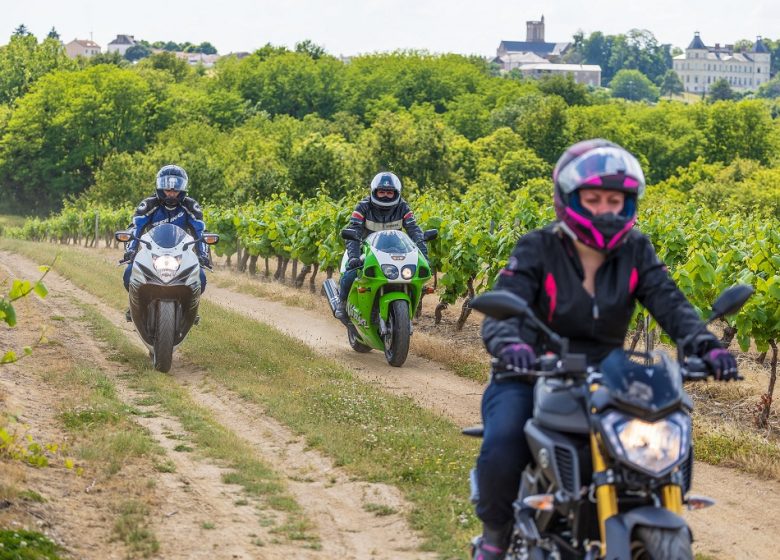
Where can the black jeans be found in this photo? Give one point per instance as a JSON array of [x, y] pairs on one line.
[[506, 406]]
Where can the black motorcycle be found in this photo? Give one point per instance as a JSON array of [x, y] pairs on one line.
[[612, 450]]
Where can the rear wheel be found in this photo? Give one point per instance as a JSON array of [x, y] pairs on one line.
[[398, 333], [652, 543], [356, 345], [164, 335]]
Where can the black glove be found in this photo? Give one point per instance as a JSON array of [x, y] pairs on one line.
[[519, 356], [128, 256], [204, 261], [721, 364], [354, 262]]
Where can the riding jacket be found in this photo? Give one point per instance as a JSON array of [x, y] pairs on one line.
[[152, 212], [367, 218], [545, 270]]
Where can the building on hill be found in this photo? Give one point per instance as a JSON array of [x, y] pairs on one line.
[[535, 57], [534, 44], [701, 66], [587, 74], [82, 47], [121, 44]]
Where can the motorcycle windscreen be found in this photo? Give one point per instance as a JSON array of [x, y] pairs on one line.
[[393, 242], [651, 388], [167, 236]]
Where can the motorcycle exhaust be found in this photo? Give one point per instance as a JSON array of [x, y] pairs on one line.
[[332, 293]]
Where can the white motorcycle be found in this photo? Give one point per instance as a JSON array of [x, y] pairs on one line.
[[164, 288]]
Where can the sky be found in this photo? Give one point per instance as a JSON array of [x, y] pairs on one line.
[[349, 27]]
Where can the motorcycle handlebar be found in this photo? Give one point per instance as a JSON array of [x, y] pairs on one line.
[[551, 365]]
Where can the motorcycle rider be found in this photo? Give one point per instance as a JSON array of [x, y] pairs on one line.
[[582, 276], [169, 205], [383, 209]]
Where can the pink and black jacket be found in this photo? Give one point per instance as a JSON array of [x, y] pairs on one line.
[[545, 270], [366, 219]]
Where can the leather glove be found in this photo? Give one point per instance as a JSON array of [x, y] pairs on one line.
[[204, 261], [128, 257], [721, 364], [520, 356], [354, 263]]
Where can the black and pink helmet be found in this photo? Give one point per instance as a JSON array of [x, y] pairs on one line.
[[597, 164]]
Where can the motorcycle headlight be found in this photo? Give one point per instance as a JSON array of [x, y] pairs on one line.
[[408, 271], [166, 266], [390, 271], [653, 447]]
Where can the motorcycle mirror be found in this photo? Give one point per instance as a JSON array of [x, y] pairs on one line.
[[350, 234], [210, 238], [500, 305], [123, 236], [430, 234], [731, 300]]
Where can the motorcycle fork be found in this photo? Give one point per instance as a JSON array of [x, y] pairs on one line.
[[606, 494], [671, 496]]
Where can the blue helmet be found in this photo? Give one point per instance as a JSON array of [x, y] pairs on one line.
[[171, 178]]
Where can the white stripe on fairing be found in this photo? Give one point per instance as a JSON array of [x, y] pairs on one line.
[[376, 226]]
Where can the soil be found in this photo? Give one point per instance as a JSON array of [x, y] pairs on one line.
[[185, 502], [741, 525]]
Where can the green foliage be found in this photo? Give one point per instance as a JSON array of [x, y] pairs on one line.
[[27, 545], [633, 85], [636, 50], [720, 90], [69, 124], [671, 84], [20, 289], [23, 61], [137, 52]]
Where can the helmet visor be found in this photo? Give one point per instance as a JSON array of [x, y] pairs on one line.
[[603, 168], [172, 183]]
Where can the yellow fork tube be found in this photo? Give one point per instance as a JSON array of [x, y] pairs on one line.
[[606, 495], [671, 495]]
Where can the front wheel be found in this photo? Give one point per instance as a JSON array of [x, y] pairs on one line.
[[164, 336], [398, 333], [652, 543], [354, 342]]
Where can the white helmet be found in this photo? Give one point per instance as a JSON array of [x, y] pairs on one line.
[[385, 181]]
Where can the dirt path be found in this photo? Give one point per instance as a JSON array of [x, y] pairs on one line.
[[429, 384], [740, 526], [195, 495]]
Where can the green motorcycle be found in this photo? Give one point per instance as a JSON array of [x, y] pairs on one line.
[[386, 293]]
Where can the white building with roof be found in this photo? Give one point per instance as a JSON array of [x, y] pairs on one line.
[[588, 74], [701, 66], [121, 44], [82, 47]]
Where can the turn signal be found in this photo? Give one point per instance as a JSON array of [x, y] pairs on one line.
[[541, 502], [429, 290], [363, 290], [699, 502]]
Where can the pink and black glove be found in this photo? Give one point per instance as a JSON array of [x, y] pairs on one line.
[[721, 364], [520, 356]]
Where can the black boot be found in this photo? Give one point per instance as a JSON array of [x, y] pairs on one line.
[[341, 312], [128, 318], [492, 544]]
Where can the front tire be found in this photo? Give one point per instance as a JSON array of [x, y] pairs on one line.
[[164, 335], [356, 345], [652, 543], [398, 333]]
